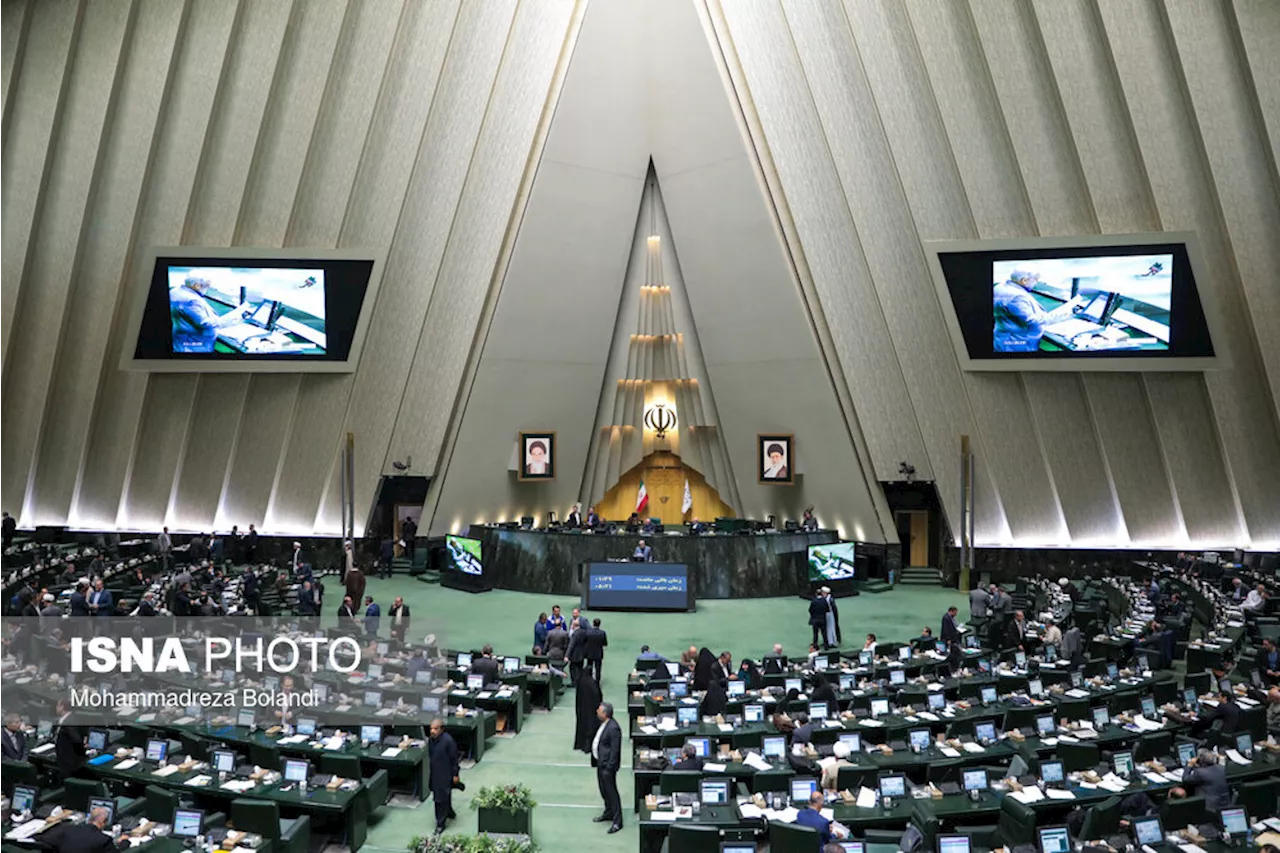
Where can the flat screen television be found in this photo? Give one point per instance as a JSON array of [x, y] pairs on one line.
[[464, 555], [1114, 302], [249, 309], [832, 562]]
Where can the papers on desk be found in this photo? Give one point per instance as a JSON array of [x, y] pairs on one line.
[[1234, 755], [1191, 848], [1154, 778], [667, 725], [146, 718], [649, 730], [184, 721], [724, 727], [714, 767], [485, 694], [870, 723], [1145, 725], [754, 760], [1246, 702], [1113, 783], [866, 798], [667, 817], [1028, 795], [126, 764], [1174, 776], [41, 749], [391, 752], [1059, 794], [829, 814], [335, 742], [1049, 741], [688, 700], [1077, 693], [239, 785], [974, 747], [168, 770], [385, 712], [750, 810], [832, 724], [929, 715], [199, 781], [787, 815], [292, 739], [26, 830], [949, 752]]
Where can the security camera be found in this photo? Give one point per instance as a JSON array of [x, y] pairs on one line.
[[402, 466]]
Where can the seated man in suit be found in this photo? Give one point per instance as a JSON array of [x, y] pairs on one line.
[[1225, 717], [14, 739], [1268, 662], [487, 666], [775, 661], [88, 837], [643, 553], [811, 816], [804, 729], [689, 759]]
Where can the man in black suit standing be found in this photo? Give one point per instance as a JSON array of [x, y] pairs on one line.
[[68, 743], [485, 665], [399, 614], [7, 529], [950, 630], [88, 837], [442, 764], [347, 611], [251, 545], [606, 756], [595, 640], [409, 533], [577, 653], [79, 601], [574, 520], [14, 739], [818, 620]]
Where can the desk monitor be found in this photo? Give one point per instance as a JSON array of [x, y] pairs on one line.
[[321, 691], [818, 711], [988, 694], [1224, 685], [510, 665], [753, 713], [904, 653], [296, 770], [774, 746], [1101, 717], [1050, 653], [678, 689], [44, 728], [701, 745], [1186, 752], [464, 660], [985, 732], [371, 734], [673, 669], [864, 658], [1123, 762], [984, 666], [971, 641], [475, 681], [893, 785], [713, 792], [897, 677], [1235, 821], [1020, 659], [848, 682], [1147, 830], [1051, 772], [953, 844], [737, 847], [384, 648], [1054, 839], [853, 740], [737, 687], [1045, 725], [104, 803], [879, 707], [306, 726], [158, 749], [920, 738], [852, 846], [1189, 696], [431, 704], [1148, 706], [793, 684], [422, 677], [1113, 671], [271, 683], [98, 739], [23, 799], [373, 672], [1143, 663], [673, 755], [1035, 687], [1244, 743], [802, 787], [224, 760], [940, 646], [373, 698], [245, 717], [937, 701], [820, 663], [187, 822], [687, 715]]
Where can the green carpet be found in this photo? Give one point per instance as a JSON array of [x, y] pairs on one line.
[[542, 755]]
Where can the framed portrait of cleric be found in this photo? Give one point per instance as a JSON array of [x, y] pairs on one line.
[[777, 459], [537, 456]]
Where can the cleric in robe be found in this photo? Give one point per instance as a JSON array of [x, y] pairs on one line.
[[586, 702]]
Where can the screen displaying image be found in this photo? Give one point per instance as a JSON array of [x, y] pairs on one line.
[[831, 562], [250, 310], [464, 555], [1035, 302], [1100, 303]]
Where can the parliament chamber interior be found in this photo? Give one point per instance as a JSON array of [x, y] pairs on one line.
[[500, 426]]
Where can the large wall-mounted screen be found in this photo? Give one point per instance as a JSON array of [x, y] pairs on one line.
[[253, 309], [638, 586], [1096, 303]]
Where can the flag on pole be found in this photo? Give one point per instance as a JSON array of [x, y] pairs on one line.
[[642, 499], [687, 504]]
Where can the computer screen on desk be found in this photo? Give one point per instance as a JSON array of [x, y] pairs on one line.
[[700, 744], [1054, 839], [186, 823], [107, 803], [1147, 830], [23, 799], [774, 746], [713, 792], [893, 785], [953, 844], [753, 713], [1051, 771], [224, 760], [802, 787]]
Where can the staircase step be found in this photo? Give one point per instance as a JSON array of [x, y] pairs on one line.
[[875, 587]]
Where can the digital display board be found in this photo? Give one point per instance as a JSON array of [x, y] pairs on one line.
[[638, 586]]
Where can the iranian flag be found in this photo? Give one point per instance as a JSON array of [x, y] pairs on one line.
[[642, 498]]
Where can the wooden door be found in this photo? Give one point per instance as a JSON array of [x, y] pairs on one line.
[[919, 538]]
